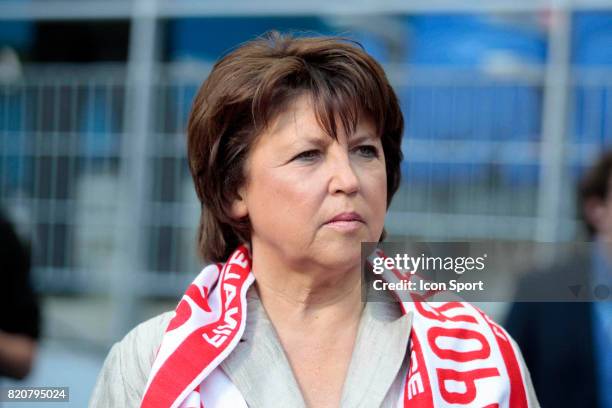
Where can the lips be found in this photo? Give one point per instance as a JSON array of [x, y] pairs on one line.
[[346, 216]]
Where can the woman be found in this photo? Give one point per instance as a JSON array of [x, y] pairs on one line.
[[294, 147]]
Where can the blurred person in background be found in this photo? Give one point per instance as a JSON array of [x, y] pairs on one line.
[[294, 147], [568, 345], [19, 319]]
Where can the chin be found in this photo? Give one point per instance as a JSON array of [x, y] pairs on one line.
[[339, 255]]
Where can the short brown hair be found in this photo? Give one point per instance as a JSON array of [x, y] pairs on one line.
[[595, 184], [249, 87]]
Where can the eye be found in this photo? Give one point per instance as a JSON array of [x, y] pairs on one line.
[[309, 155], [367, 151]]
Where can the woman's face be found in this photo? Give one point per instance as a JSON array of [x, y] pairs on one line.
[[299, 178]]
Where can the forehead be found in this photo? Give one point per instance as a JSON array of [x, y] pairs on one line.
[[299, 120]]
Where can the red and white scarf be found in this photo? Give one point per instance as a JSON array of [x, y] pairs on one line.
[[458, 356]]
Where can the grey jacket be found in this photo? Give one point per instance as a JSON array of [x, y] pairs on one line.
[[258, 365]]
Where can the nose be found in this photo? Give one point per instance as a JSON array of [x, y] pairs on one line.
[[343, 176]]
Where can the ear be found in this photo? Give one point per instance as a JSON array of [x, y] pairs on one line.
[[594, 211], [239, 206]]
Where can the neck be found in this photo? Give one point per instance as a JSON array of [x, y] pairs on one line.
[[309, 297]]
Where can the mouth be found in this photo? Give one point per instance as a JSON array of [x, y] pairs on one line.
[[346, 221], [346, 216]]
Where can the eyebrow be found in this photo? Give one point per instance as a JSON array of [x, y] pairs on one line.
[[317, 141], [322, 141], [362, 138]]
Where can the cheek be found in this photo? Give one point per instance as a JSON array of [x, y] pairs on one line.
[[377, 198], [374, 185], [278, 201]]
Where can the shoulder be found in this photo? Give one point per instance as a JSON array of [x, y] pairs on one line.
[[126, 369], [143, 340]]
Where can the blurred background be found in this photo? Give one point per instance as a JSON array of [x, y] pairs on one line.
[[506, 104]]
